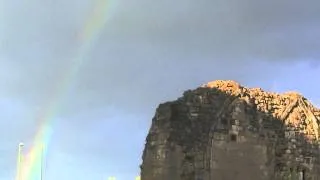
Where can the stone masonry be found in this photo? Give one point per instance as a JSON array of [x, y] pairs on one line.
[[223, 131]]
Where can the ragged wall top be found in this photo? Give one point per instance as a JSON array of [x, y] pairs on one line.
[[278, 105], [192, 137]]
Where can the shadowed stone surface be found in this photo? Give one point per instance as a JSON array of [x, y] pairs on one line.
[[223, 131]]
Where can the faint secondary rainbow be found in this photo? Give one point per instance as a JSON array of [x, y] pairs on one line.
[[33, 159]]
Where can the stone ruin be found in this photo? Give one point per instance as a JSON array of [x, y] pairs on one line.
[[223, 131]]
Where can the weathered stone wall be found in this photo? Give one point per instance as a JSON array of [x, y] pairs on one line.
[[222, 131]]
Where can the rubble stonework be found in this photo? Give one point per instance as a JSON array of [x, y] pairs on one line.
[[223, 131]]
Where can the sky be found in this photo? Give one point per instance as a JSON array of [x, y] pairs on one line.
[[142, 54]]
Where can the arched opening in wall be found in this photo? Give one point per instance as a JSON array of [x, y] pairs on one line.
[[233, 137]]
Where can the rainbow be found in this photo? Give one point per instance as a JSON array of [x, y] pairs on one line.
[[32, 160]]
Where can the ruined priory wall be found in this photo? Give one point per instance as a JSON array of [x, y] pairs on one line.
[[229, 132]]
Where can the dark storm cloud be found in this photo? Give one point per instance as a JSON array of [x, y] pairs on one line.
[[152, 51], [226, 28]]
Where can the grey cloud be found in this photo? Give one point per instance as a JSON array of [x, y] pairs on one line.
[[151, 51], [234, 29]]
